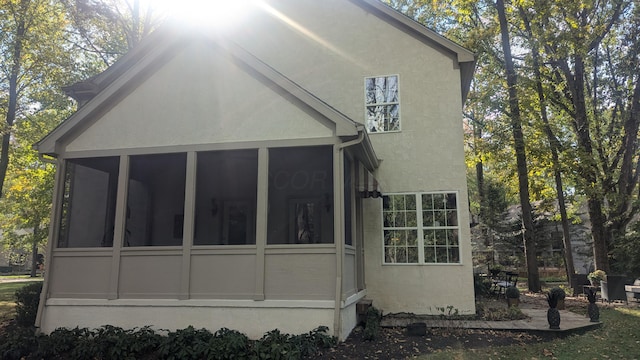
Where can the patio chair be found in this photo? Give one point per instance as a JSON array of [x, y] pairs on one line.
[[633, 290], [509, 279]]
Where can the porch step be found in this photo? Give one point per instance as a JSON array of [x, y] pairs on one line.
[[362, 307]]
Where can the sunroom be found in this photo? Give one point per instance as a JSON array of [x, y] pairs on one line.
[[173, 211], [243, 224], [268, 228]]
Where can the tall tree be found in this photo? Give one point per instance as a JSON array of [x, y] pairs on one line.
[[605, 176], [31, 50], [107, 29], [533, 279], [27, 203], [554, 143], [45, 45]]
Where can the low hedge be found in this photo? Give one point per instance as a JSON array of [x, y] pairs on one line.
[[27, 300], [110, 342]]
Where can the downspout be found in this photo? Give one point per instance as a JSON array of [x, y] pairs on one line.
[[337, 327]]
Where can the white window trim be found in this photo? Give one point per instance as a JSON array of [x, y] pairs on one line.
[[382, 104], [420, 229]]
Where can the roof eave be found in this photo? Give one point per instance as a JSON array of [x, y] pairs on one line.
[[463, 54]]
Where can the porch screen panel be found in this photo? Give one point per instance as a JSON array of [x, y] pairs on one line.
[[226, 193], [155, 200], [88, 204], [300, 195]]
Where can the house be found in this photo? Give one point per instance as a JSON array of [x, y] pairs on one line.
[[267, 175], [502, 243]]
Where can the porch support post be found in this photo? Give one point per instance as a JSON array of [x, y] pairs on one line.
[[54, 231], [119, 225], [187, 231], [261, 219], [338, 230]]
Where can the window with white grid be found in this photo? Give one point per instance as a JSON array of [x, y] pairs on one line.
[[421, 228]]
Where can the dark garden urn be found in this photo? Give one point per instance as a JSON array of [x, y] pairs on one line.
[[592, 308], [553, 317]]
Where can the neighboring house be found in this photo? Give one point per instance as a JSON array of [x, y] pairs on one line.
[[503, 244], [225, 178], [15, 260], [5, 262]]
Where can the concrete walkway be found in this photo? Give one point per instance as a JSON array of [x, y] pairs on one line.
[[537, 321], [532, 305]]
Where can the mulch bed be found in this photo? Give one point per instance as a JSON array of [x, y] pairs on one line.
[[395, 343]]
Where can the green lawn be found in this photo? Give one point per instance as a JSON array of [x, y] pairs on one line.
[[13, 277], [617, 338], [7, 299]]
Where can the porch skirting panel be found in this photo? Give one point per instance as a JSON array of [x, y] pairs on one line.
[[253, 318]]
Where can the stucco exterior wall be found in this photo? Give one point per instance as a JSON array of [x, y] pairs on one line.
[[199, 97], [330, 46]]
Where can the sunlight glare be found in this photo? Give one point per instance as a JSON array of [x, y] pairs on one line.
[[209, 13]]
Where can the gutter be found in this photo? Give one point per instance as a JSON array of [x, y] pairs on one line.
[[48, 160], [357, 141]]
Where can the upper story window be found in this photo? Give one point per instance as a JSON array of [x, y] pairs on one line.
[[421, 228], [382, 103]]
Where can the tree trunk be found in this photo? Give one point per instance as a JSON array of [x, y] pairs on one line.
[[590, 169], [554, 146], [13, 103], [477, 135], [599, 235], [533, 279], [34, 248]]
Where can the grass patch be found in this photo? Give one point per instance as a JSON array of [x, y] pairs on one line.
[[617, 338], [8, 300], [13, 277]]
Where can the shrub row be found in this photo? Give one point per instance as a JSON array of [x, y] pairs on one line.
[[372, 324], [110, 342], [27, 300]]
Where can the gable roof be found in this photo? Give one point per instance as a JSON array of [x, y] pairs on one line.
[[105, 88]]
